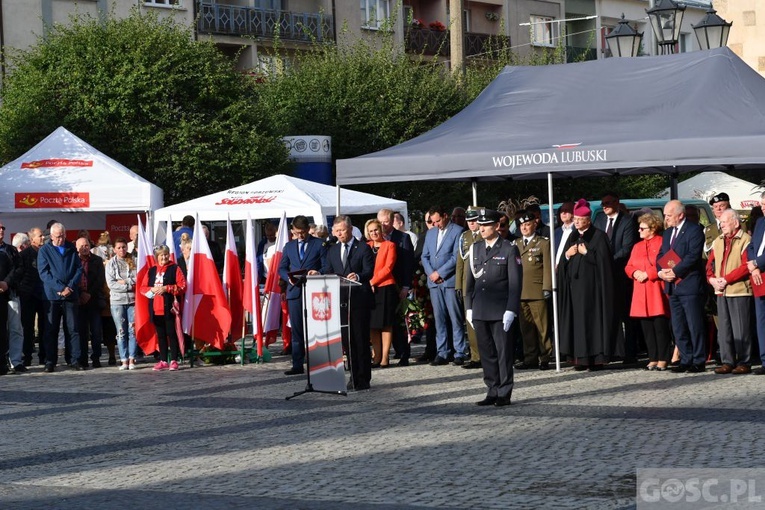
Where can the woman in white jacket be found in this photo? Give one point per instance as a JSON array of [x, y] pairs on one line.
[[121, 279]]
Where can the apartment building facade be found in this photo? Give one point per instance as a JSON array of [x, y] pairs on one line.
[[250, 29], [747, 35]]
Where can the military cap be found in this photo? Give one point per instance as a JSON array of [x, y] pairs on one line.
[[488, 217], [472, 213], [523, 218], [720, 197]]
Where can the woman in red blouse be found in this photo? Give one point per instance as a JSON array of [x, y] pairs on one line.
[[163, 284], [649, 303], [386, 296]]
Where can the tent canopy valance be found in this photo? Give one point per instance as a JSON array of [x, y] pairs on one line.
[[666, 114], [269, 197]]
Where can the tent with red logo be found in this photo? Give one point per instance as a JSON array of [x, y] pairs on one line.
[[65, 178], [269, 197]]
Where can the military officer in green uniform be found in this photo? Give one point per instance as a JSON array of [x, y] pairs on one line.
[[537, 287], [720, 203], [467, 239]]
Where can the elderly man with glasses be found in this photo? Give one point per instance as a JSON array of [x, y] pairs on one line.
[[60, 271]]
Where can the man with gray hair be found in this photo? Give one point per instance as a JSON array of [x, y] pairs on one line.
[[682, 271], [728, 274], [32, 298], [60, 271]]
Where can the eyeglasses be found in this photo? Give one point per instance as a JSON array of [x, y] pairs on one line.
[[2, 228], [643, 228]]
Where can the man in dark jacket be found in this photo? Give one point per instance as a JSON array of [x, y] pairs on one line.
[[32, 298], [92, 301], [60, 271]]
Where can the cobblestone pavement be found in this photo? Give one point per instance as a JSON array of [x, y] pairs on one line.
[[225, 437]]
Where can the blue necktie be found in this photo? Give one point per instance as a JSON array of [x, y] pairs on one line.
[[301, 246]]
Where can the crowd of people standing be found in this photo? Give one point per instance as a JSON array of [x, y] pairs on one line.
[[628, 283]]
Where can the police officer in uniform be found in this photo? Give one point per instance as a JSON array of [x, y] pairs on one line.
[[468, 237], [492, 299], [537, 287]]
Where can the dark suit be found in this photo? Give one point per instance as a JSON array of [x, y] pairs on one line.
[[759, 301], [402, 273], [495, 290], [360, 260], [90, 312], [686, 298], [6, 270], [313, 259], [623, 237]]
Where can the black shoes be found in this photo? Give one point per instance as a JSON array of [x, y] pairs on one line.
[[357, 387], [20, 369], [3, 369], [294, 371], [759, 371], [692, 369], [80, 367], [545, 365], [438, 361], [471, 365], [459, 362], [49, 367], [502, 401], [488, 401], [422, 360], [403, 362], [112, 362], [524, 366], [96, 363]]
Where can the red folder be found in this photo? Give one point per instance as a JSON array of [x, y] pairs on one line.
[[757, 290], [669, 260]]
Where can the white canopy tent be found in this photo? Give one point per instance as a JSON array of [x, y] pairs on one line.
[[65, 178], [743, 194], [268, 197]]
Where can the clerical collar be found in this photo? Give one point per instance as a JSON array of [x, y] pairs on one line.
[[582, 232]]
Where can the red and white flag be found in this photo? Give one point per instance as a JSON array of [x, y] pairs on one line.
[[145, 334], [206, 316], [169, 241], [251, 294], [272, 291], [232, 284]]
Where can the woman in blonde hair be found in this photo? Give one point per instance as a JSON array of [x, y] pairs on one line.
[[121, 279], [103, 247], [383, 286]]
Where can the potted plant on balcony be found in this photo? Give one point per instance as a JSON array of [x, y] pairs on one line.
[[417, 23], [492, 16], [437, 26]]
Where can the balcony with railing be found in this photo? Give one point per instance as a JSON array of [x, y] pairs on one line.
[[425, 41], [221, 19]]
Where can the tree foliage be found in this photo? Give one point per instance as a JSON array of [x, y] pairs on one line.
[[141, 90]]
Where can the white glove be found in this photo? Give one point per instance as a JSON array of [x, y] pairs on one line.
[[507, 319], [469, 317]]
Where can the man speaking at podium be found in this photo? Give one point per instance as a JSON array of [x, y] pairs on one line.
[[355, 261], [303, 253]]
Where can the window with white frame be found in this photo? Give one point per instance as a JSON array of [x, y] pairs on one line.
[[374, 13], [544, 31]]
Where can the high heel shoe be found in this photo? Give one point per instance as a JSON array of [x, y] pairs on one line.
[[651, 367]]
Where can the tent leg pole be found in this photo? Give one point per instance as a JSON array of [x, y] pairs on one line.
[[551, 215], [673, 186], [474, 185], [337, 208]]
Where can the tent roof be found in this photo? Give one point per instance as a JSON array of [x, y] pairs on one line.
[[743, 194], [268, 197], [64, 173], [673, 113]]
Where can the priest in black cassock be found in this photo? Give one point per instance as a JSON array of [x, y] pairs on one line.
[[585, 279]]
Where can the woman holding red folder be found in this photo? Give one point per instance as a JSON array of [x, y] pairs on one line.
[[649, 303]]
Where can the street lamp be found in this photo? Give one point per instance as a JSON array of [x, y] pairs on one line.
[[623, 40], [713, 31], [666, 17]]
